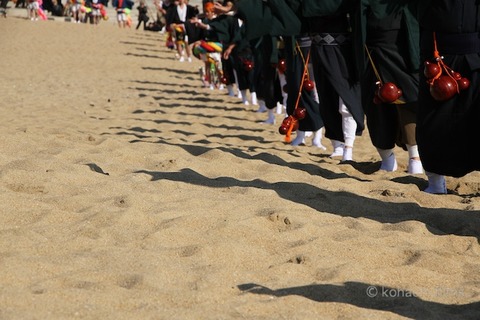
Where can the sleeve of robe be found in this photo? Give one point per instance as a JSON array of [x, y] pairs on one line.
[[382, 9], [270, 17]]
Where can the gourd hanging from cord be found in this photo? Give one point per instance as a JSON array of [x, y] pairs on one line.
[[444, 82], [291, 123], [387, 92]]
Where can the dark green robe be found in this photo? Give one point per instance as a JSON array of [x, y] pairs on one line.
[[382, 9], [274, 18], [390, 32], [453, 122]]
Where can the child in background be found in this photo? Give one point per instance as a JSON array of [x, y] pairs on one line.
[[75, 9], [142, 15], [120, 7], [3, 8], [32, 8]]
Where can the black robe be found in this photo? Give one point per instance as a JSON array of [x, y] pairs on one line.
[[447, 132], [390, 33], [227, 30], [331, 24], [172, 17]]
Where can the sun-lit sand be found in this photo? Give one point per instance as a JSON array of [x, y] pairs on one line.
[[129, 191]]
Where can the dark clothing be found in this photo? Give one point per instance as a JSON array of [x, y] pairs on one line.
[[297, 49], [387, 36], [173, 17], [267, 82], [296, 59], [273, 17], [241, 56], [142, 17], [264, 22], [228, 31], [447, 134], [333, 61], [3, 4], [167, 5], [335, 70], [172, 14], [57, 10], [120, 5]]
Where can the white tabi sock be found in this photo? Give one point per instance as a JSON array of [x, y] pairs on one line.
[[253, 98], [317, 139], [414, 165], [280, 108], [261, 106], [244, 97], [349, 127], [271, 117], [347, 154], [436, 183], [299, 139], [389, 162], [338, 147], [230, 90]]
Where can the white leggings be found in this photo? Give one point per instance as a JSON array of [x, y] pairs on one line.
[[349, 125]]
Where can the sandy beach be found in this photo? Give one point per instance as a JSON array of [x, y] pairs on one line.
[[130, 191]]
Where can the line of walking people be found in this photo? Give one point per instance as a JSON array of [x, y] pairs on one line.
[[405, 69]]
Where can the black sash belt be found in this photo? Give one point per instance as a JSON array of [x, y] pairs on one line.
[[330, 39], [458, 43], [304, 41]]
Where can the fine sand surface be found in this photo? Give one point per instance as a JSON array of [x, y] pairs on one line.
[[129, 191]]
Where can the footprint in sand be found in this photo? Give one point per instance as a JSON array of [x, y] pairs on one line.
[[188, 251], [298, 259], [121, 202], [167, 164], [392, 193], [130, 281], [328, 274], [282, 223], [23, 188], [411, 257], [85, 285]]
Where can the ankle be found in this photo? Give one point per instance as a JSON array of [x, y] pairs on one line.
[[436, 183]]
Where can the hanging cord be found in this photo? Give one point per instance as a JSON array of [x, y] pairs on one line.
[[443, 67], [436, 54], [438, 59], [377, 75], [305, 73]]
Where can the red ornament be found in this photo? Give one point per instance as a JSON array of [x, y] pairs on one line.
[[309, 85], [456, 75], [283, 129], [286, 124], [431, 70], [287, 121], [224, 80], [443, 88], [389, 92], [282, 66], [446, 83], [248, 65], [463, 83], [300, 113]]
